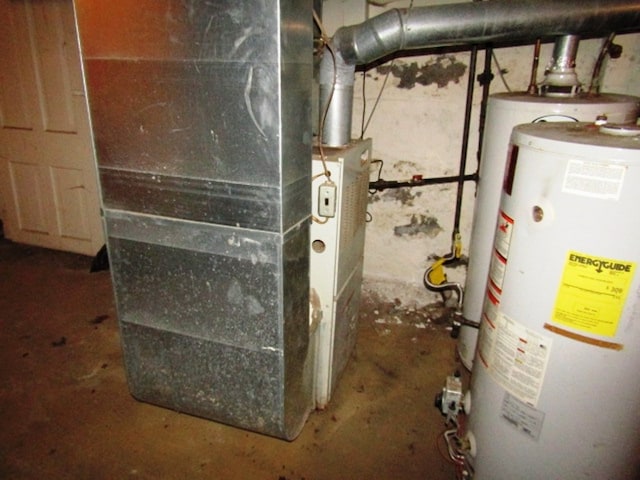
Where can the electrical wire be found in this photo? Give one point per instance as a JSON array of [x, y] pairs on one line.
[[364, 104], [369, 217], [327, 42], [375, 105], [317, 220], [365, 125], [500, 72], [594, 86], [317, 175], [377, 160]]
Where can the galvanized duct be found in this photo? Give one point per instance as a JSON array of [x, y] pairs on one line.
[[461, 24], [201, 117]]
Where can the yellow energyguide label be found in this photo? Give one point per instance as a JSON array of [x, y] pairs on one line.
[[592, 293]]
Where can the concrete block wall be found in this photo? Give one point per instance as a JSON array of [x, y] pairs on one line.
[[417, 129]]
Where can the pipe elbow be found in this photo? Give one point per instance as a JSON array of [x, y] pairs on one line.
[[362, 44]]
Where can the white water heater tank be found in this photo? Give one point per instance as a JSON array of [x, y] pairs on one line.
[[505, 111], [555, 387]]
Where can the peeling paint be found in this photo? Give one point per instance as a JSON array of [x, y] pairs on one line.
[[419, 224], [405, 165], [403, 195], [441, 71]]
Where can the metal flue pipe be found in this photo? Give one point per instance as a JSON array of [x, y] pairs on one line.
[[461, 24], [560, 77], [481, 22]]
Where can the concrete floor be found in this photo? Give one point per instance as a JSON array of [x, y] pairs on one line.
[[65, 411]]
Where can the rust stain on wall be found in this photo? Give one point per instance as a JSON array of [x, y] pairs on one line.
[[441, 71], [403, 195]]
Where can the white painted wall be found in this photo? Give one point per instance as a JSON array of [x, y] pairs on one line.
[[419, 131]]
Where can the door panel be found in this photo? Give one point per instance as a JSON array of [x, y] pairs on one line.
[[71, 207], [13, 76], [27, 189], [52, 67], [48, 182]]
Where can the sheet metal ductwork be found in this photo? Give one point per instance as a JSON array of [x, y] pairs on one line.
[[497, 21], [201, 116]]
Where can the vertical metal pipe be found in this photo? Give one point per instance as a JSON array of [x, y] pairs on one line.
[[533, 82], [560, 76], [336, 99], [594, 86], [565, 51], [465, 136], [486, 79]]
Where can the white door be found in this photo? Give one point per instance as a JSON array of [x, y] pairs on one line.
[[48, 182]]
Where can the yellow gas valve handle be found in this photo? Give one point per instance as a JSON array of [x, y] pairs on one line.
[[437, 275]]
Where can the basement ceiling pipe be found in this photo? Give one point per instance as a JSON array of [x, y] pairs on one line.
[[455, 24]]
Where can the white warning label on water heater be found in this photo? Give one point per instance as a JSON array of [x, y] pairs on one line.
[[591, 179], [497, 269], [515, 356], [521, 416], [504, 230], [501, 246]]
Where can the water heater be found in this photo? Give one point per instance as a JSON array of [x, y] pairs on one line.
[[555, 386], [505, 111]]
